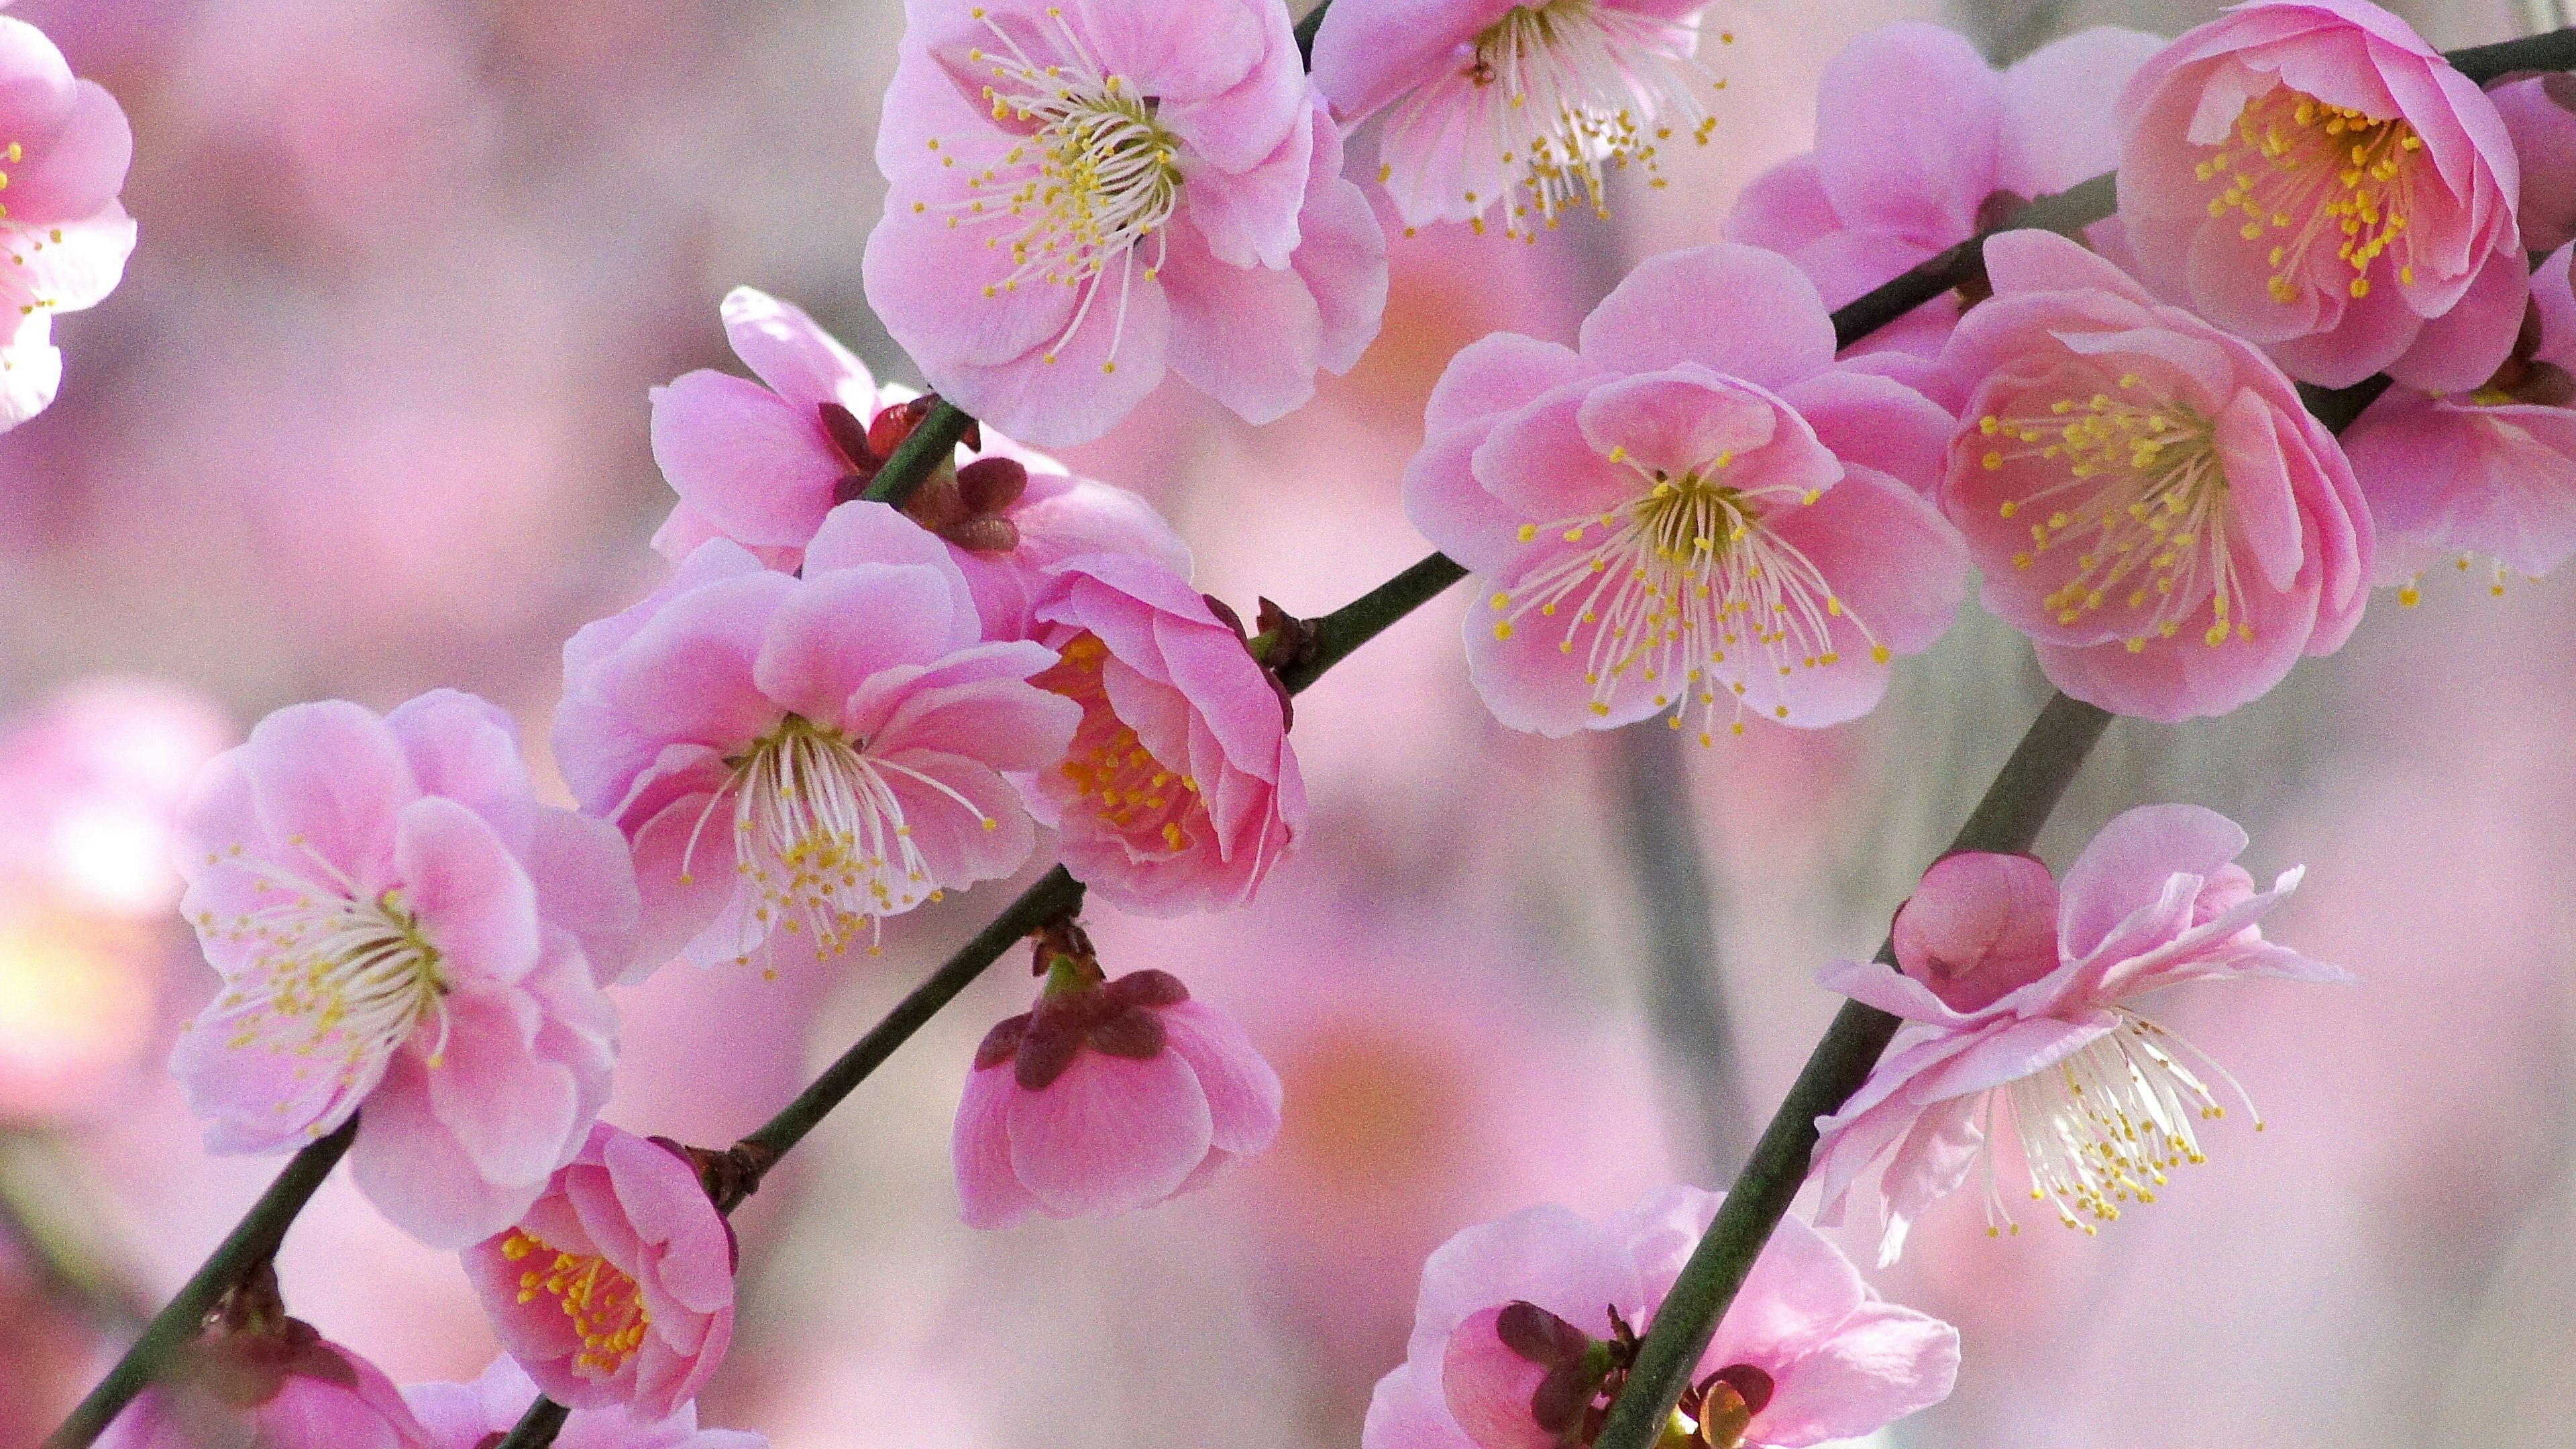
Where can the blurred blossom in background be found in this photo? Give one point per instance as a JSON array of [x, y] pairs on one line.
[[369, 416]]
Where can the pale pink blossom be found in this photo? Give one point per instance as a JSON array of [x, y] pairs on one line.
[[466, 1416], [1081, 195], [1521, 107], [276, 1385], [2146, 495], [1107, 1097], [2313, 177], [2019, 1002], [762, 462], [804, 757], [64, 148], [91, 781], [1883, 192], [400, 924], [616, 1288], [2487, 474], [1181, 790], [1522, 1320], [2539, 113], [1697, 510]]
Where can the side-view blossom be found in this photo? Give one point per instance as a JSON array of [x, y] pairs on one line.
[[469, 1416], [1523, 108], [264, 1379], [2313, 177], [2018, 996], [2488, 474], [761, 463], [1883, 193], [804, 757], [1081, 195], [64, 149], [2539, 113], [1106, 1097], [1181, 790], [399, 923], [1697, 510], [616, 1288], [1527, 1326], [2147, 496]]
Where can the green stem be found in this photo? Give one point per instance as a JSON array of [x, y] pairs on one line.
[[932, 442], [1366, 617], [537, 1427], [252, 1242], [1307, 25]]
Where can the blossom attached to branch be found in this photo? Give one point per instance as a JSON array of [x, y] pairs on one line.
[[258, 1377], [469, 1416]]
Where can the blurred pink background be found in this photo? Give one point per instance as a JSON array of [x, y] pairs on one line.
[[368, 416]]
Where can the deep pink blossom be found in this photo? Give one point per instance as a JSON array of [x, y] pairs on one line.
[[2017, 997], [1181, 790], [762, 465], [1521, 1319], [1083, 194], [810, 755], [64, 148], [1521, 107], [466, 1416], [1105, 1098], [2146, 495], [2311, 176], [399, 923], [616, 1288], [2539, 113], [276, 1386], [1883, 192], [2488, 474], [1698, 509]]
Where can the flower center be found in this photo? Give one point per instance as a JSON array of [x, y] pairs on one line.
[[820, 836], [2143, 508], [339, 981], [606, 1307], [1095, 176], [2309, 175], [1672, 580], [2099, 1128], [1566, 90], [1109, 772]]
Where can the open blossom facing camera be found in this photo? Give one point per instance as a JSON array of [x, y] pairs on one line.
[[804, 757], [1697, 513], [2146, 495], [1082, 193], [616, 1288], [1527, 1325], [400, 924], [2017, 999], [477, 1415], [1521, 108], [1181, 790], [64, 238], [2310, 175], [762, 463], [1884, 192], [2483, 475], [1107, 1097]]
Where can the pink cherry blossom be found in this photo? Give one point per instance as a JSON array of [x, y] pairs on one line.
[[1105, 1098], [1695, 509], [2488, 474], [466, 1416], [274, 1386], [91, 782], [1522, 1320], [2017, 998], [1521, 107], [399, 923], [64, 148], [762, 465], [2311, 176], [1882, 192], [1181, 790], [2539, 113], [806, 756], [2147, 497], [616, 1288], [1082, 194]]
